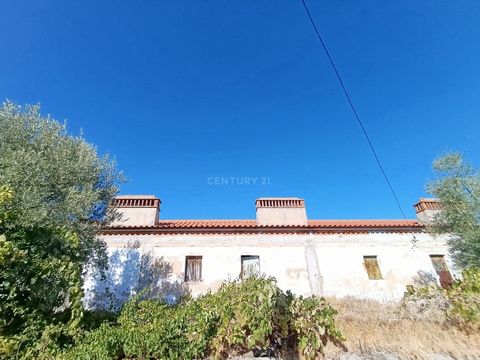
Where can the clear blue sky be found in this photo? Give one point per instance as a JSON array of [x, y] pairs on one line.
[[181, 92]]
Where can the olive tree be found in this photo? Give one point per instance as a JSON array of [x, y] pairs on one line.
[[55, 192], [457, 186]]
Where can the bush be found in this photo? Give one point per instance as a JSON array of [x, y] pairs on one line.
[[103, 343], [428, 303], [459, 303], [314, 325], [152, 329], [253, 314], [464, 296]]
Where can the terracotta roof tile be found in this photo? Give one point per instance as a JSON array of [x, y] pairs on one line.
[[363, 223], [239, 224]]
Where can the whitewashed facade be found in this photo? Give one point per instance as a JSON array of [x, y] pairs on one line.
[[361, 258]]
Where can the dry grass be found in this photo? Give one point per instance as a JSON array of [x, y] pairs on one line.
[[373, 327]]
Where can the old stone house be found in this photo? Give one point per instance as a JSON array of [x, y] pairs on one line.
[[361, 258]]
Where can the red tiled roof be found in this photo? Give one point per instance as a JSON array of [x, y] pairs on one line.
[[245, 225], [311, 223], [364, 223], [206, 223]]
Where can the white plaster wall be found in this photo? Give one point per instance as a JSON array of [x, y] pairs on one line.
[[281, 216], [119, 282], [340, 259], [146, 216], [428, 216], [286, 264], [341, 263]]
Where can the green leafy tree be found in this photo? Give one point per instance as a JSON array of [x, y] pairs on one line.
[[457, 186], [54, 195]]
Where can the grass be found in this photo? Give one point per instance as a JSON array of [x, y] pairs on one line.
[[373, 327]]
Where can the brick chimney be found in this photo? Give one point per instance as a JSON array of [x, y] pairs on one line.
[[427, 210], [137, 210], [281, 211]]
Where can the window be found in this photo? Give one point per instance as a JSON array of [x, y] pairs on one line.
[[371, 265], [193, 268], [441, 268], [250, 266]]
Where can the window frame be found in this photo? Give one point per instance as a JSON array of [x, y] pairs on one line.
[[193, 258], [444, 275], [247, 257], [371, 276]]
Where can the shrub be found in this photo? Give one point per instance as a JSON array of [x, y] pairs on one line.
[[464, 296], [313, 321], [104, 343], [152, 329], [425, 303], [249, 315], [253, 314], [460, 303]]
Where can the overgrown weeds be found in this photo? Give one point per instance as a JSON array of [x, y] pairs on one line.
[[429, 320], [459, 304]]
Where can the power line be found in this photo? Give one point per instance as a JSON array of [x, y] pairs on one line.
[[354, 110]]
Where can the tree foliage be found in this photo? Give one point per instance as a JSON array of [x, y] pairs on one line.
[[54, 196], [457, 186]]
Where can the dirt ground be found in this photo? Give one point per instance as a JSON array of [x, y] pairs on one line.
[[372, 328]]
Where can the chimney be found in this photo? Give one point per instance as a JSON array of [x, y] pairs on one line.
[[427, 210], [281, 211], [137, 210]]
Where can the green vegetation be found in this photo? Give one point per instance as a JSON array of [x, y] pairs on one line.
[[54, 195], [457, 186], [460, 302], [253, 314]]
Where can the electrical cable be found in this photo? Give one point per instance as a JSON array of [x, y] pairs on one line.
[[349, 100]]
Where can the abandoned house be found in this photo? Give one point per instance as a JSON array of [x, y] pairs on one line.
[[361, 258]]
